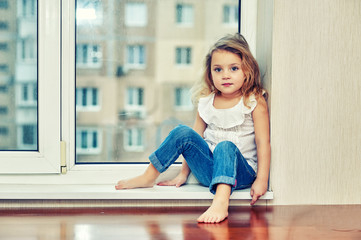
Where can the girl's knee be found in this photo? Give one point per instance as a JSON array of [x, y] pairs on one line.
[[225, 146], [182, 130]]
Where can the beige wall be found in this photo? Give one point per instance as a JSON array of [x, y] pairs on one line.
[[316, 99]]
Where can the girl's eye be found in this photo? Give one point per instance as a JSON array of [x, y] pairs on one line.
[[217, 69], [234, 69]]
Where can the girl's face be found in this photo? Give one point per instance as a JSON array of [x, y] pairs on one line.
[[226, 72]]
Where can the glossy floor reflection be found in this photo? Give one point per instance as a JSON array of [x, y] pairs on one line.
[[278, 222]]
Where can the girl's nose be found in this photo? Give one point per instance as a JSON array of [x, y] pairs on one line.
[[225, 74]]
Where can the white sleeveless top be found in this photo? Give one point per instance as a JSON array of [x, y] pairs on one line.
[[233, 124]]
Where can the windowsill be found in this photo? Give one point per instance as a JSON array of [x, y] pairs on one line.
[[107, 191], [96, 182]]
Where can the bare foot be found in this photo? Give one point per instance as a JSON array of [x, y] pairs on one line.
[[137, 182], [216, 213], [147, 179]]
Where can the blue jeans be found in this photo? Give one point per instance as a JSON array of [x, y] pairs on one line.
[[225, 165]]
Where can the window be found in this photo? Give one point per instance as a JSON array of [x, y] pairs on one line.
[[184, 14], [183, 55], [88, 55], [4, 131], [4, 4], [88, 141], [135, 98], [145, 50], [136, 56], [3, 110], [4, 25], [3, 89], [4, 68], [136, 14], [26, 145], [87, 99], [183, 99], [89, 12], [230, 14], [28, 94], [134, 139], [28, 8], [4, 46], [27, 49]]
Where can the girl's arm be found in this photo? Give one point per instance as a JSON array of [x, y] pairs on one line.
[[262, 136], [199, 126]]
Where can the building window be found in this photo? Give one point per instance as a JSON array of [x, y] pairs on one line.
[[28, 93], [184, 14], [134, 139], [88, 55], [29, 134], [135, 98], [4, 131], [89, 12], [87, 99], [3, 110], [4, 46], [4, 4], [28, 49], [136, 14], [135, 56], [183, 55], [88, 141], [28, 8], [4, 68], [4, 25], [182, 99], [4, 89], [230, 14]]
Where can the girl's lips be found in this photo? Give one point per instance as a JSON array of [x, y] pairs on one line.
[[226, 84]]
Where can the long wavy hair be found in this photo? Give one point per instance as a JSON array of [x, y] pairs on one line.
[[236, 44]]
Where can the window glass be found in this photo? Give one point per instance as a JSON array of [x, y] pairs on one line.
[[18, 75], [135, 14], [136, 62]]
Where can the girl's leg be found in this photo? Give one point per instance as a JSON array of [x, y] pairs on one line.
[[147, 179], [230, 167], [181, 140], [231, 171], [218, 211], [184, 140]]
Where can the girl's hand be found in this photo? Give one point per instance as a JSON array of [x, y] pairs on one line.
[[177, 181], [258, 189]]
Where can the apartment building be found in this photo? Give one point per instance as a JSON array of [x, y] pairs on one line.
[[18, 75], [143, 58]]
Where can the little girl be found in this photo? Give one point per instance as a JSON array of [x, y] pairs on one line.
[[229, 145]]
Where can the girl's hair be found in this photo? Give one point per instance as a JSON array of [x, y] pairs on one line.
[[235, 44]]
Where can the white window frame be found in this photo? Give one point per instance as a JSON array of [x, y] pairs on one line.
[[47, 158]]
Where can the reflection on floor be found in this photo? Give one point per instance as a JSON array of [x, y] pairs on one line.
[[277, 222]]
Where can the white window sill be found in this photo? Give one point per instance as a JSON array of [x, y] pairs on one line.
[[96, 182], [107, 191]]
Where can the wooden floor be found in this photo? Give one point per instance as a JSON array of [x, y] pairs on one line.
[[277, 222]]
